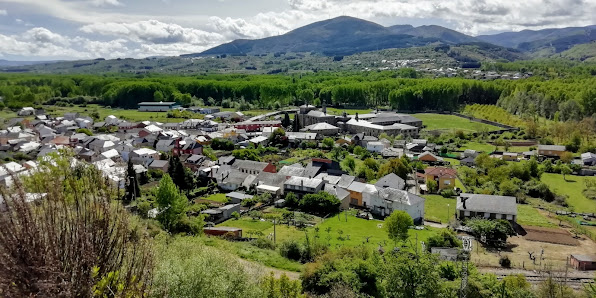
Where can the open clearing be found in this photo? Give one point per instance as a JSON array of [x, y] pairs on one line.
[[550, 235], [452, 123], [573, 187]]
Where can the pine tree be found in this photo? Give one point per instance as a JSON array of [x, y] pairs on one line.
[[286, 121], [171, 203], [296, 124], [132, 184]]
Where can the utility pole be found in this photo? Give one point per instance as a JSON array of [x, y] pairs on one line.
[[467, 245], [274, 234], [448, 212]]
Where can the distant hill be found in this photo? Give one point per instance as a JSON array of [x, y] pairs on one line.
[[342, 36], [8, 63], [433, 31], [558, 40]]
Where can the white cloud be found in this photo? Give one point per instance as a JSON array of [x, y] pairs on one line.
[[3, 12], [154, 31], [106, 3]]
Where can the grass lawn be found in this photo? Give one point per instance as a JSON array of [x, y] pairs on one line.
[[528, 215], [451, 123], [517, 148], [355, 231], [218, 197], [248, 226], [334, 111], [435, 208], [478, 147], [452, 161], [573, 188]]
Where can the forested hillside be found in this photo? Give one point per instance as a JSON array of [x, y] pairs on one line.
[[574, 96]]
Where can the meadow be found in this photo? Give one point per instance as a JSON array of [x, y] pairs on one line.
[[451, 123], [573, 188], [435, 208]]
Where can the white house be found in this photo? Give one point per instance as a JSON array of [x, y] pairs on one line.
[[375, 146], [111, 120], [26, 111], [143, 156], [383, 201], [486, 206]]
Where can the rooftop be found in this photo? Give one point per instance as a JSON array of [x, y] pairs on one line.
[[488, 203]]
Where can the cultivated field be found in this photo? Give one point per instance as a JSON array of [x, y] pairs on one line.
[[451, 123]]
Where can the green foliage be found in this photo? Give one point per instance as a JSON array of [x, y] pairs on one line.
[[411, 275], [222, 144], [171, 203], [432, 186], [397, 225], [356, 268], [495, 231], [349, 163], [132, 189], [235, 215], [278, 138], [247, 154], [398, 166], [291, 199], [281, 288], [446, 238], [328, 143], [319, 203], [187, 268], [85, 131]]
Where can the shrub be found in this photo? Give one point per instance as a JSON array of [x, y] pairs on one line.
[[505, 262], [263, 243], [291, 249], [448, 193]]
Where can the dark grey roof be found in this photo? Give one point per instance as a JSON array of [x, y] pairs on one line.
[[249, 165], [488, 203], [311, 171], [158, 163], [225, 174], [196, 158], [224, 160], [401, 196], [391, 180], [338, 192], [291, 171], [271, 179], [408, 118], [468, 159]]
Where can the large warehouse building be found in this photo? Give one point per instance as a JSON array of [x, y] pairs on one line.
[[157, 106]]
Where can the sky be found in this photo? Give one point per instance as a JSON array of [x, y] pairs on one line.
[[88, 29]]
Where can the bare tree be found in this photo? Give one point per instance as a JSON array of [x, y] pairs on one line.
[[69, 238]]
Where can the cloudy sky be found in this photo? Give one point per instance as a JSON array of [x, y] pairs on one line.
[[81, 29]]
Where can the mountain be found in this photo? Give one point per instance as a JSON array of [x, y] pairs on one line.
[[433, 31], [338, 36], [8, 63], [558, 40]]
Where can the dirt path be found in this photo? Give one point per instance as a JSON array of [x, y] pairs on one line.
[[266, 270]]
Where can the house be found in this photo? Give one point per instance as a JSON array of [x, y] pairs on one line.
[[226, 160], [228, 232], [154, 106], [588, 159], [383, 201], [112, 154], [317, 165], [26, 111], [143, 156], [529, 154], [583, 262], [222, 213], [356, 189], [237, 197], [391, 180], [229, 179], [486, 206], [165, 145], [445, 177], [468, 162], [159, 165], [149, 130], [275, 191], [71, 116], [8, 169], [376, 146], [253, 167], [341, 194], [551, 150], [99, 145], [322, 128], [227, 210], [252, 126], [391, 152], [509, 156], [470, 153], [428, 157], [292, 170], [260, 140], [191, 147], [301, 185]]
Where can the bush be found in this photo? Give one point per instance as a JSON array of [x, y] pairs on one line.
[[320, 203], [263, 243], [505, 262], [235, 215], [291, 249], [448, 193]]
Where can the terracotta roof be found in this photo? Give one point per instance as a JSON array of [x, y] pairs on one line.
[[441, 172]]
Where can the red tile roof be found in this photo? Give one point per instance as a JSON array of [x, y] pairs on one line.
[[441, 172]]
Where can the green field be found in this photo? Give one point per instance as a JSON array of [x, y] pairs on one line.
[[218, 197], [452, 123], [573, 188], [487, 148], [529, 215], [334, 111], [435, 208], [265, 228]]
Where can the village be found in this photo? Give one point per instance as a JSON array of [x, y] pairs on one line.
[[243, 165]]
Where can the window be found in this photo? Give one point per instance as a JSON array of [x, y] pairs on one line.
[[447, 182], [466, 213]]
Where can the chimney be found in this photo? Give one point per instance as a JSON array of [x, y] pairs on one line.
[[324, 108], [356, 117], [301, 182], [463, 202]]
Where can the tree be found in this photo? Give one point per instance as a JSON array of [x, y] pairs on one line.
[[565, 170], [296, 124], [372, 164], [286, 121], [411, 275], [319, 203], [397, 225], [566, 157], [432, 185], [171, 203], [350, 163], [328, 143], [278, 138], [291, 199], [74, 241], [398, 166], [133, 190], [495, 231], [85, 131]]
